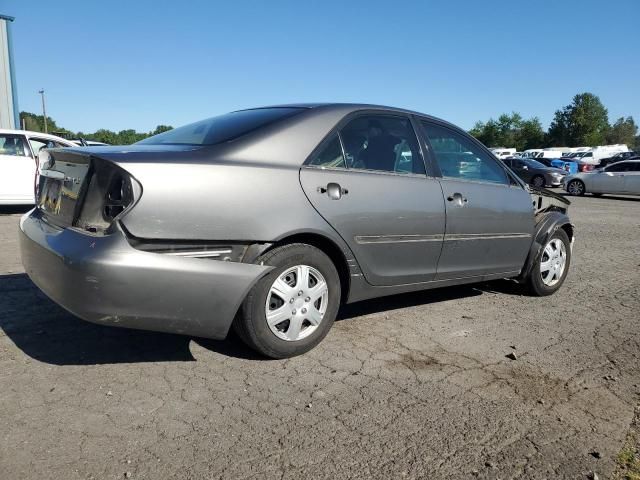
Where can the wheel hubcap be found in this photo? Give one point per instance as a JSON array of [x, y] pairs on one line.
[[575, 188], [553, 262], [538, 182], [296, 303]]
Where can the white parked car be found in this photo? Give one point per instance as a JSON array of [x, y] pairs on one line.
[[620, 177], [19, 159]]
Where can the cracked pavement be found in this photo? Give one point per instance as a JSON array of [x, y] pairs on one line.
[[411, 386]]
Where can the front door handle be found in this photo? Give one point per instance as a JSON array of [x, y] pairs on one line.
[[457, 199], [333, 190]]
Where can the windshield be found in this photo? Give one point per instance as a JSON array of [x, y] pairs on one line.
[[221, 129], [534, 163]]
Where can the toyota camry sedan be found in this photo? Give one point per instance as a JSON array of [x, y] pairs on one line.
[[617, 178], [266, 220]]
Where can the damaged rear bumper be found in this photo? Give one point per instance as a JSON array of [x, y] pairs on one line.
[[105, 280]]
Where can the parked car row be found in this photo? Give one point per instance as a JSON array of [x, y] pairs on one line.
[[19, 150], [552, 168]]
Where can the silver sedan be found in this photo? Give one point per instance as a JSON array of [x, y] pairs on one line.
[[267, 220], [619, 178]]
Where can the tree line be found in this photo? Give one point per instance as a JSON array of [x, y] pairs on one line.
[[35, 123], [584, 122]]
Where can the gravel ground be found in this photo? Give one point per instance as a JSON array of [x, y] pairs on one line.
[[412, 386]]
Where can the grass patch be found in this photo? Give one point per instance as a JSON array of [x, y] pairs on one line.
[[629, 457]]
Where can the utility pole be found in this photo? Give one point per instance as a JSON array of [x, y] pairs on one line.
[[44, 110]]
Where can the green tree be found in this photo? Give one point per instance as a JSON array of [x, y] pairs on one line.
[[558, 133], [531, 135], [103, 135], [624, 130], [35, 123], [585, 122], [161, 129], [510, 130]]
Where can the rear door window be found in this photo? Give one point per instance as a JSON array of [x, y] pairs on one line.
[[617, 167], [634, 167], [384, 143], [14, 145]]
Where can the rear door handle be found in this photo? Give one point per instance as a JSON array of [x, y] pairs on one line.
[[333, 190], [457, 199]]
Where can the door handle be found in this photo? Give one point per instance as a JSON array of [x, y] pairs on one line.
[[457, 199], [333, 190]]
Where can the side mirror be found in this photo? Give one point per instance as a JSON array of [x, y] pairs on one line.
[[525, 167]]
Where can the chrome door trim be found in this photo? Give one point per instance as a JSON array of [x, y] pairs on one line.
[[483, 236], [365, 239]]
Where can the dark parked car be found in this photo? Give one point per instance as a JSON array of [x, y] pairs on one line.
[[618, 157], [268, 219], [535, 173]]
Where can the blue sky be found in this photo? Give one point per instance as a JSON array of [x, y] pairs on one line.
[[138, 63]]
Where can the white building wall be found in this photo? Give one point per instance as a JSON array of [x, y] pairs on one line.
[[8, 107]]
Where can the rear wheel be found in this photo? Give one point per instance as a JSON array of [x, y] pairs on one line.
[[538, 181], [552, 265], [576, 187], [290, 310]]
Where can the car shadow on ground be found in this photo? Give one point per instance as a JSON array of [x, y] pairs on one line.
[[47, 333], [604, 197], [14, 209], [406, 300]]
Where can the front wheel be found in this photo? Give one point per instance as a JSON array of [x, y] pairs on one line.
[[538, 181], [576, 187], [552, 265], [290, 310]]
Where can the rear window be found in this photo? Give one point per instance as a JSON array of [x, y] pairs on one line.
[[221, 129]]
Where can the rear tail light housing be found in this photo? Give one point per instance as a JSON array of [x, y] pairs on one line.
[[110, 193]]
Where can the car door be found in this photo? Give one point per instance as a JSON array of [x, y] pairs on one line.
[[632, 178], [611, 179], [490, 218], [368, 181], [18, 169]]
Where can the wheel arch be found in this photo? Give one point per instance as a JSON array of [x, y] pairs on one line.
[[325, 244], [547, 224]]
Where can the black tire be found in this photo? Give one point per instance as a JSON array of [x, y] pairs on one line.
[[576, 187], [533, 281], [538, 181], [251, 322]]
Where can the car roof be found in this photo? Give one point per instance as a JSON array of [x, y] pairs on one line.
[[346, 108], [48, 136], [286, 142]]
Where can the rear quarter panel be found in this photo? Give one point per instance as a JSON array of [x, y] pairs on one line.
[[221, 201]]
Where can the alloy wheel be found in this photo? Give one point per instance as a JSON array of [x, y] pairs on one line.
[[296, 303], [575, 187]]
